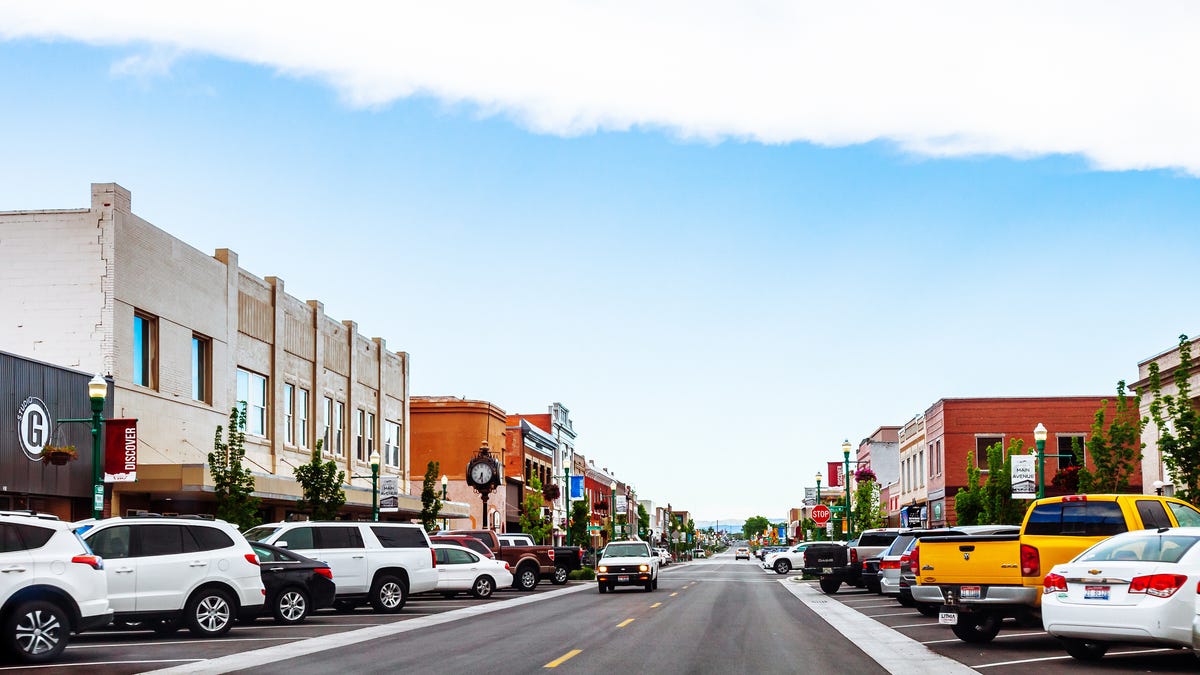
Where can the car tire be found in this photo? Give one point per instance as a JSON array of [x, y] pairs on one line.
[[166, 627], [656, 583], [782, 567], [928, 608], [977, 628], [344, 606], [650, 586], [209, 613], [874, 588], [906, 601], [1085, 650], [527, 578], [290, 606], [561, 574], [484, 587], [388, 594], [830, 585], [603, 587], [37, 631]]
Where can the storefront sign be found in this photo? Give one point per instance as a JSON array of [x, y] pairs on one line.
[[33, 426], [389, 494], [1024, 477], [120, 451], [576, 488]]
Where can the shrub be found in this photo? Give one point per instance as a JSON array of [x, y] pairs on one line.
[[582, 574]]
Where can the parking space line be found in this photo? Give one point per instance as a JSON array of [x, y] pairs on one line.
[[559, 661], [624, 623], [889, 606], [1006, 635], [183, 642], [916, 625], [99, 663], [876, 616], [1065, 656]]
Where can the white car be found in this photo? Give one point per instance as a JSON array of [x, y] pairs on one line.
[[1134, 587], [741, 552], [461, 569], [163, 572], [664, 557], [52, 586], [786, 560], [627, 563], [379, 562]]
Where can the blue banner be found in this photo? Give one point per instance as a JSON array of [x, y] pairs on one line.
[[782, 532], [576, 490]]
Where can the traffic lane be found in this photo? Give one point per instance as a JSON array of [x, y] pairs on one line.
[[113, 650], [706, 625], [1015, 648]]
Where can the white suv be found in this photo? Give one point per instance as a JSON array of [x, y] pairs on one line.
[[379, 562], [52, 585], [178, 570]]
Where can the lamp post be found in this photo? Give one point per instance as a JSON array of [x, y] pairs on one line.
[[444, 483], [818, 533], [374, 460], [1039, 438], [1158, 486], [566, 497], [612, 510], [846, 487], [97, 390]]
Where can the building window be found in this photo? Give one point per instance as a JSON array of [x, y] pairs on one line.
[[328, 424], [145, 350], [359, 423], [370, 434], [391, 443], [252, 397], [982, 443], [289, 414], [921, 466], [938, 445], [302, 418], [1068, 455], [201, 368], [339, 427]]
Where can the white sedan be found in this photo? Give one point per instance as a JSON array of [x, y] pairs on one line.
[[1135, 587], [461, 569]]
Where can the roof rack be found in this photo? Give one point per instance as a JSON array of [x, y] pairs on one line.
[[29, 513], [173, 516]]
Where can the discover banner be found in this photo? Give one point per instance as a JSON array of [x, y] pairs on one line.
[[120, 451]]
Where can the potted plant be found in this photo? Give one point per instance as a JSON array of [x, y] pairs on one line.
[[59, 455]]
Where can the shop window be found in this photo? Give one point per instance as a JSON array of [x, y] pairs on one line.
[[201, 368], [302, 418], [289, 414], [1070, 451], [982, 443], [252, 397], [145, 350]]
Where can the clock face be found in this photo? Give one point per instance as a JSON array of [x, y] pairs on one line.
[[481, 473]]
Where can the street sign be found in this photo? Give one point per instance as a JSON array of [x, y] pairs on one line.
[[821, 514]]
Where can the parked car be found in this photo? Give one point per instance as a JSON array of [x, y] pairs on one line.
[[908, 573], [296, 585], [699, 553], [788, 559], [741, 552], [464, 541], [566, 559], [870, 572], [381, 563], [1135, 587], [844, 565], [529, 562], [664, 556], [164, 572], [462, 569], [627, 563], [53, 586]]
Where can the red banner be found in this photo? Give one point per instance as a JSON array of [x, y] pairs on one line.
[[120, 451], [835, 474]]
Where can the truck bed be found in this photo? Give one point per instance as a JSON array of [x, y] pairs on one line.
[[984, 560]]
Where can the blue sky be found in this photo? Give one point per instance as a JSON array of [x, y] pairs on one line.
[[718, 303]]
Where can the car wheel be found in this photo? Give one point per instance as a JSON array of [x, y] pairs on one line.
[[649, 585], [166, 626], [344, 606], [388, 594], [656, 583], [603, 587], [209, 613], [290, 606], [782, 566], [928, 608], [37, 631], [1085, 650], [560, 576], [527, 578], [483, 587], [873, 588], [830, 585], [906, 601], [977, 627]]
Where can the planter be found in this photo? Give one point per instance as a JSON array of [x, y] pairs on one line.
[[58, 455]]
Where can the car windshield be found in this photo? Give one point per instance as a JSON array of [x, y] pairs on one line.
[[1163, 548], [626, 551], [260, 533]]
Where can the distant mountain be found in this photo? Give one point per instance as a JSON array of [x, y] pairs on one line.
[[730, 524]]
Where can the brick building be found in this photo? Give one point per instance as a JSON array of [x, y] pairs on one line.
[[529, 453], [450, 431]]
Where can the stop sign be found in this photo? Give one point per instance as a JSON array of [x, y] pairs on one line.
[[820, 514]]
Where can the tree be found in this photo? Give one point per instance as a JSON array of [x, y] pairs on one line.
[[754, 526], [1115, 449], [531, 520], [867, 511], [233, 484], [1178, 426], [643, 522], [999, 507], [431, 501], [579, 523], [968, 503], [321, 482]]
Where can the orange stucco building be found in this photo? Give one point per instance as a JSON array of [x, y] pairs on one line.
[[450, 430]]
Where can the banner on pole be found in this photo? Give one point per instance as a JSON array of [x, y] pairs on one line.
[[576, 490], [120, 451], [389, 494], [1024, 477], [835, 474]]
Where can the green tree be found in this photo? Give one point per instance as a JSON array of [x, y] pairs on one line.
[[1178, 426], [579, 523], [1115, 448], [999, 507], [431, 501], [868, 512], [754, 526], [321, 482], [968, 503], [643, 522], [531, 520], [233, 484]]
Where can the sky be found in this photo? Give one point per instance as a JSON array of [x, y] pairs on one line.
[[726, 236]]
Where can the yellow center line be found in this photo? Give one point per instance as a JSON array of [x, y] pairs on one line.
[[557, 662], [674, 594], [624, 623], [657, 604]]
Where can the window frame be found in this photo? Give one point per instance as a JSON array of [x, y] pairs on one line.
[[289, 413], [202, 361], [302, 418], [327, 435], [983, 466], [145, 350], [261, 417], [339, 427]]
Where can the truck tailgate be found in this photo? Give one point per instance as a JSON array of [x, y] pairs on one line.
[[982, 560]]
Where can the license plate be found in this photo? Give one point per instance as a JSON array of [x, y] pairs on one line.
[[969, 592], [623, 577], [1095, 592], [948, 618], [826, 570]]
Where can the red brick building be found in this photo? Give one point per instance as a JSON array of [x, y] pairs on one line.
[[450, 430], [959, 429]]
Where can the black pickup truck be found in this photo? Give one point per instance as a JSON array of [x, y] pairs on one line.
[[567, 559], [834, 563]]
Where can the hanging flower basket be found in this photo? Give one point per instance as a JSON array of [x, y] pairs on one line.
[[58, 455]]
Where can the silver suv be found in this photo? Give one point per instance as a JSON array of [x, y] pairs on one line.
[[52, 585]]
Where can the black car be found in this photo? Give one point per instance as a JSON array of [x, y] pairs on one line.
[[296, 585]]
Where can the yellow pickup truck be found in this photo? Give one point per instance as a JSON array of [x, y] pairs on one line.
[[980, 580]]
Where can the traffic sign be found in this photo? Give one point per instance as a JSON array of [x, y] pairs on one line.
[[820, 514]]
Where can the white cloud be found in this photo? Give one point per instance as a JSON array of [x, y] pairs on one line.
[[1110, 81]]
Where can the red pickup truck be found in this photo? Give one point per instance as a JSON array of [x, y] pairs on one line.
[[528, 563]]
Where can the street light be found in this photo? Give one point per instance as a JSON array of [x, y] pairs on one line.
[[818, 532], [1158, 486], [846, 487], [97, 390], [1039, 437], [612, 510], [374, 460], [444, 482]]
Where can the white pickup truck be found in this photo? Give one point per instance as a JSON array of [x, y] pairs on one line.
[[627, 563]]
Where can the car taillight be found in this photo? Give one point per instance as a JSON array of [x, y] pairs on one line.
[[889, 565], [1158, 585], [904, 560], [252, 559], [506, 567], [324, 572], [1031, 563], [551, 552], [93, 561], [853, 556], [914, 558], [1054, 583], [433, 557]]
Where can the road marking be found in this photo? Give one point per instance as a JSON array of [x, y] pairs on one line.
[[624, 623], [674, 594], [1064, 656], [99, 663], [890, 606], [657, 604], [1006, 635], [911, 612], [155, 643], [557, 662], [916, 625]]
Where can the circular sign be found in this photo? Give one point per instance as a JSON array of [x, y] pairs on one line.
[[33, 427], [821, 514]]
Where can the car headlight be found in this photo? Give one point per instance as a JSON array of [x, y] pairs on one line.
[[644, 568], [603, 568]]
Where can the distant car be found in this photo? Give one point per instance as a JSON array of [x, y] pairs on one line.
[[699, 553], [296, 585], [741, 552], [664, 556]]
